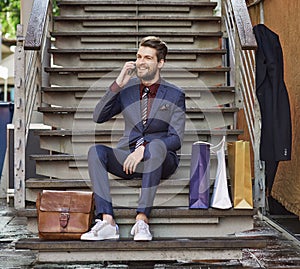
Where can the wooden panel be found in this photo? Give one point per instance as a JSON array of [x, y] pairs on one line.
[[283, 19]]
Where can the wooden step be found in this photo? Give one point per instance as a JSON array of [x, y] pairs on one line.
[[75, 166], [192, 91], [159, 9], [65, 141], [171, 193], [149, 3], [91, 98], [66, 166], [134, 18], [175, 69], [176, 222], [52, 183], [133, 51], [184, 250], [81, 118], [86, 133], [135, 34], [176, 213], [192, 110], [104, 76], [130, 23], [75, 96], [130, 39], [116, 57]]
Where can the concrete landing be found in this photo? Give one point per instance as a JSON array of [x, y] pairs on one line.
[[280, 251]]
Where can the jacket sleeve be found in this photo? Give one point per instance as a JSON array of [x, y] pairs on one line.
[[107, 107]]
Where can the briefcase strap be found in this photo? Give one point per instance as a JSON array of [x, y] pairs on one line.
[[64, 219], [65, 215]]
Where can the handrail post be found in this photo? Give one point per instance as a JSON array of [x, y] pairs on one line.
[[19, 122], [28, 83]]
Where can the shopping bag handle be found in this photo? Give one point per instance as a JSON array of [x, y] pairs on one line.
[[218, 146]]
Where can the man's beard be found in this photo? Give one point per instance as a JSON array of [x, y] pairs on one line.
[[148, 76]]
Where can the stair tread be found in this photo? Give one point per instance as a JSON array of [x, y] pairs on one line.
[[58, 157], [154, 245], [82, 88], [183, 212], [91, 109], [108, 69], [42, 182], [132, 33], [105, 51], [137, 3], [134, 18], [108, 132], [72, 157]]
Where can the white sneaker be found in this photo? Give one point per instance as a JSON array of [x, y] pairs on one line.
[[102, 230], [141, 232]]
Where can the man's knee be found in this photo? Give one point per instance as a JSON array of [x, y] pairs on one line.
[[156, 149], [96, 152]]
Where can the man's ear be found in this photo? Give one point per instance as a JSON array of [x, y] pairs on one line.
[[161, 63]]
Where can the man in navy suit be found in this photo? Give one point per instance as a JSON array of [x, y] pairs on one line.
[[151, 138]]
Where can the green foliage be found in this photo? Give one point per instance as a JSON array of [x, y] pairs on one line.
[[9, 17], [55, 8]]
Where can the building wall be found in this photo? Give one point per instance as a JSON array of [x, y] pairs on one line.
[[283, 18]]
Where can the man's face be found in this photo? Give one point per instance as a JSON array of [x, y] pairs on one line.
[[147, 67]]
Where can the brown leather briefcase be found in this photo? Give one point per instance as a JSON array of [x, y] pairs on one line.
[[64, 215]]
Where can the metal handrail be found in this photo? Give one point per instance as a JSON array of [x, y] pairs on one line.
[[242, 46], [29, 58]]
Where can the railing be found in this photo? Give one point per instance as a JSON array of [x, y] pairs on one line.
[[30, 57], [242, 46]]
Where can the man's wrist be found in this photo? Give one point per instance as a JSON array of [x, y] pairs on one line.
[[115, 87], [142, 145]]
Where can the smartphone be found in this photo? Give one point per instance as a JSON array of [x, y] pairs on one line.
[[131, 71]]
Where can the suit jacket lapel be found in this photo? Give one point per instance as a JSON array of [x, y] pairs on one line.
[[132, 104], [261, 66], [157, 102]]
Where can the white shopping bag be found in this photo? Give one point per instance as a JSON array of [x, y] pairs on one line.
[[220, 196]]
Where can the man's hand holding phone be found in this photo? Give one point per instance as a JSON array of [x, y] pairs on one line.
[[126, 73]]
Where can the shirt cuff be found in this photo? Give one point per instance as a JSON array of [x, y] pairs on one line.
[[115, 87], [145, 143]]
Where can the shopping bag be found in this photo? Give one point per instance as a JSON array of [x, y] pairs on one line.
[[240, 174], [200, 175], [220, 197]]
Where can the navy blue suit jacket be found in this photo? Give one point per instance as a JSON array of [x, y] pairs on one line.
[[166, 120], [276, 131]]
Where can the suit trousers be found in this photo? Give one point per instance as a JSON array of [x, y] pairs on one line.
[[157, 163]]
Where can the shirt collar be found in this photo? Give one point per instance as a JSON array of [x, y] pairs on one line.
[[153, 88]]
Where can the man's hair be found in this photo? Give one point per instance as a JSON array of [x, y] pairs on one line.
[[156, 43]]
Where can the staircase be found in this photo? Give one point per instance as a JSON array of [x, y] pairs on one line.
[[92, 40]]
